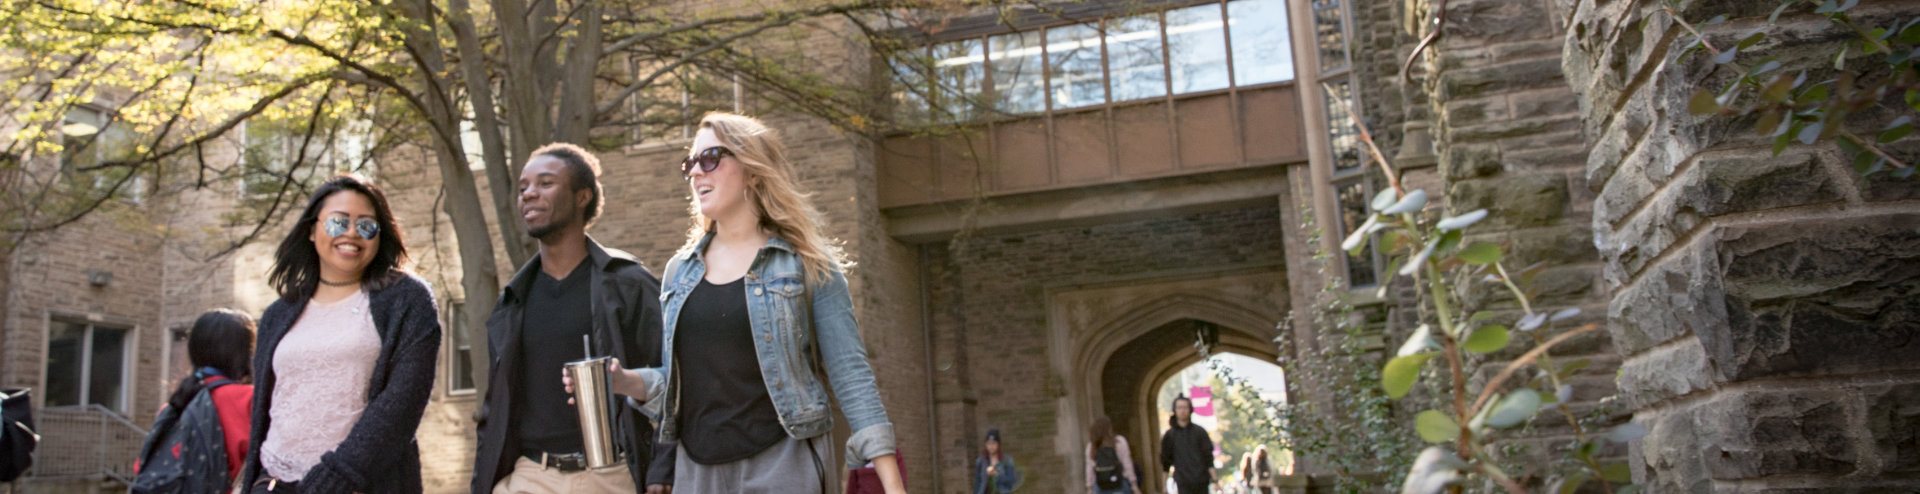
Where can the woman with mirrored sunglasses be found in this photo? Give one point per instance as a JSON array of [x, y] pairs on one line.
[[344, 361]]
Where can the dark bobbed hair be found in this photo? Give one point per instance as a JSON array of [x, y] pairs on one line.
[[296, 263], [221, 339], [1174, 419], [1101, 432], [583, 172]]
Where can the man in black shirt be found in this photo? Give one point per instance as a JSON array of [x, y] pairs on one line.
[[1188, 450], [572, 291]]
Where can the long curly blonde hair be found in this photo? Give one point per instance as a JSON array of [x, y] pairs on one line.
[[773, 192]]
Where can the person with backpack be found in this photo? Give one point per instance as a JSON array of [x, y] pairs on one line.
[[1109, 461], [993, 470], [199, 441]]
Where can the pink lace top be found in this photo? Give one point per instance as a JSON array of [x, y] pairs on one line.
[[321, 370]]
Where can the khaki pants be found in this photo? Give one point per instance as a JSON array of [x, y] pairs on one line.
[[533, 478]]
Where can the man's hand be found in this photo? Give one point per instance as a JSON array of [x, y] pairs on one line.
[[622, 380], [659, 489]]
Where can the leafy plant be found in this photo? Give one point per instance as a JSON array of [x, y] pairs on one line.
[[1813, 105]]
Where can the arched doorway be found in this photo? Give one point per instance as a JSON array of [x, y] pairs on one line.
[[1124, 340]]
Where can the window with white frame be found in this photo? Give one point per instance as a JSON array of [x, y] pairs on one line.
[[1192, 48], [1352, 190], [459, 351], [87, 365]]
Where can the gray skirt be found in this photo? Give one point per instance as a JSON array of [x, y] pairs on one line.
[[789, 466]]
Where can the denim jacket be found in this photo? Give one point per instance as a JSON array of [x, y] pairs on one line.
[[788, 318]]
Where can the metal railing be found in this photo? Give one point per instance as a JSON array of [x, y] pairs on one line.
[[86, 442]]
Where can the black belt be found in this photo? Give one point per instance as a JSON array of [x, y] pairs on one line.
[[570, 462]]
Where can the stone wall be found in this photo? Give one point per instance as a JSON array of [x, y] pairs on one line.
[[1764, 305], [1508, 137]]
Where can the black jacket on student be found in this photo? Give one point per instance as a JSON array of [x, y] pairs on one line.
[[380, 455], [626, 325], [1188, 450]]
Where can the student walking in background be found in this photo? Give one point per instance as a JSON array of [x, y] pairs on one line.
[[1109, 460], [209, 412], [994, 471]]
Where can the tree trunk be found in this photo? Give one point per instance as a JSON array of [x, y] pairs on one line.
[[478, 276], [576, 85], [500, 177]]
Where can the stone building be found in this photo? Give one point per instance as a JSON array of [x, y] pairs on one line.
[[1134, 185]]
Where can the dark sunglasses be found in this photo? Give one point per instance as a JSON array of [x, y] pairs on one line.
[[708, 159], [337, 226]]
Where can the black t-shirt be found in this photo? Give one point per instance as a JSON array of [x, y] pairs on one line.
[[558, 313], [726, 413]]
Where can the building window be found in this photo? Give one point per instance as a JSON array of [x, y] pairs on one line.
[[460, 351], [960, 71], [1089, 62], [1014, 60], [1260, 39], [1345, 136], [1330, 33], [1074, 66], [1135, 58], [1362, 269], [87, 365], [1197, 48]]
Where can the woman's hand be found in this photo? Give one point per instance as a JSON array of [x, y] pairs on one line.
[[621, 380]]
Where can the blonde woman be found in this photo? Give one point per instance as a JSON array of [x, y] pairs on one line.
[[756, 312]]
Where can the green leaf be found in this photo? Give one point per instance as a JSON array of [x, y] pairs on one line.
[[1616, 472], [1727, 56], [1703, 103], [1383, 199], [1716, 20], [1514, 408], [1400, 373], [1768, 121], [1847, 5], [1811, 132], [1753, 38], [1764, 67], [1827, 7], [1894, 134], [1628, 489], [1487, 339], [1913, 99], [1911, 34], [1775, 18], [1436, 427], [1571, 484], [1480, 316], [1448, 241], [1626, 432], [1840, 59], [1569, 368], [1815, 94], [1778, 90], [1480, 253]]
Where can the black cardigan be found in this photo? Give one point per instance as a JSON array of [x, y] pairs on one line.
[[380, 454]]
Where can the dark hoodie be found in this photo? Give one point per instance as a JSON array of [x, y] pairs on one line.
[[1188, 450]]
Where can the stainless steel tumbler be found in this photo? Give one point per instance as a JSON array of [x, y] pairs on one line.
[[591, 395]]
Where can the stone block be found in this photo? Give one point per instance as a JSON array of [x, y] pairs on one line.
[[1465, 161], [1669, 458], [1893, 421], [1484, 80], [1760, 432], [1751, 181], [1665, 372], [1825, 296], [1495, 22], [1672, 299], [1519, 201]]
